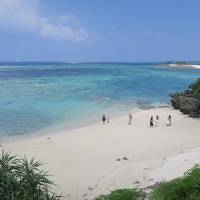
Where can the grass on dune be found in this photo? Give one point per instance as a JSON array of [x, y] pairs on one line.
[[184, 188], [21, 179], [122, 194]]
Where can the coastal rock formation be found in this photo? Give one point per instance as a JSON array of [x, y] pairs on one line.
[[186, 104]]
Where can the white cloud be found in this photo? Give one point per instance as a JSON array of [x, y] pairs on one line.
[[24, 15], [69, 18]]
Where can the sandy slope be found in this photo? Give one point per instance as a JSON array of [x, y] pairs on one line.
[[84, 162]]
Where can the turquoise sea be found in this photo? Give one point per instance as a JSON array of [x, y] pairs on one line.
[[36, 96]]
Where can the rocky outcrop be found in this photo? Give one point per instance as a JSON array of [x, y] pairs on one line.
[[186, 104]]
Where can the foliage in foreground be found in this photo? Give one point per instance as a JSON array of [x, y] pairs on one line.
[[122, 194], [21, 179], [184, 188], [195, 89]]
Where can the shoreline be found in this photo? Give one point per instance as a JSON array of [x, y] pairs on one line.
[[56, 130], [83, 161], [60, 129]]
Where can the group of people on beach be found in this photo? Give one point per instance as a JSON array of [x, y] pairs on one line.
[[153, 123], [105, 119]]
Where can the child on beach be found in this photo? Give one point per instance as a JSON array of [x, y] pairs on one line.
[[130, 117], [151, 122]]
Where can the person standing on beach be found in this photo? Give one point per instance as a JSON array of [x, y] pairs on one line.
[[151, 122], [103, 118], [157, 121], [130, 117], [169, 121], [108, 120]]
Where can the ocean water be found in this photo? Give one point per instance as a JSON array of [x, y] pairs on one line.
[[41, 96]]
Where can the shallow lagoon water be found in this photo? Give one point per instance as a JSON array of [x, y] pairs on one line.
[[39, 96]]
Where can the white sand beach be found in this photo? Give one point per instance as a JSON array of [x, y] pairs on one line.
[[184, 66], [195, 66], [83, 161]]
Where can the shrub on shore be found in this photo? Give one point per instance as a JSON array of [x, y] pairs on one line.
[[184, 188], [122, 194], [22, 179], [195, 89]]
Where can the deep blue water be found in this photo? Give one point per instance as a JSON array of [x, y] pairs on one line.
[[37, 96]]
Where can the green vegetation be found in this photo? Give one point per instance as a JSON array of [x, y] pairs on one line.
[[122, 194], [22, 179], [195, 89], [184, 188]]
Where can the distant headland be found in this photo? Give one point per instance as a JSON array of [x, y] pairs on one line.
[[182, 64]]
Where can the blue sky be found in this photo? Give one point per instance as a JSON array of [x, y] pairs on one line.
[[99, 30]]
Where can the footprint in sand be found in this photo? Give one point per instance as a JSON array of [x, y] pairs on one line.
[[90, 188], [125, 158], [151, 179], [84, 195]]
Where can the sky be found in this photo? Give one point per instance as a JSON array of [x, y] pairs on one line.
[[99, 30]]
